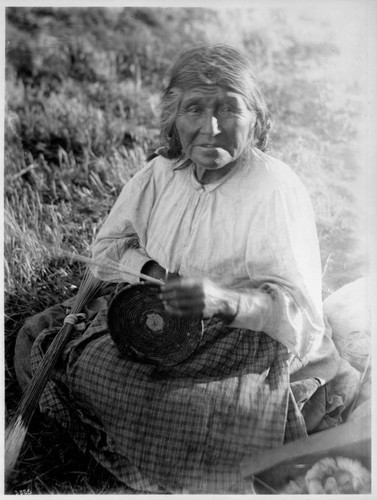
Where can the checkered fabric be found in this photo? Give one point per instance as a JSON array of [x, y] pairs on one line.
[[183, 429]]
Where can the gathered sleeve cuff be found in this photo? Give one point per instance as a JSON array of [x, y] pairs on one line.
[[272, 310], [132, 259]]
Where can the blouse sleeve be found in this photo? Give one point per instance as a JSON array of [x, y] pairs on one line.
[[122, 238], [285, 270]]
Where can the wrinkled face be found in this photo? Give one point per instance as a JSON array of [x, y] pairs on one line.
[[214, 126]]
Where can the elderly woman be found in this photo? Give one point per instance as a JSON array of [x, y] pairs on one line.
[[233, 229]]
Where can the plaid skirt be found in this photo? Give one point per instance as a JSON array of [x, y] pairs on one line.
[[182, 429]]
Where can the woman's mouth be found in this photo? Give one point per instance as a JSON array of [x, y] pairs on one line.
[[208, 146]]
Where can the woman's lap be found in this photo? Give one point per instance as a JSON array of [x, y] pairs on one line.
[[187, 427]]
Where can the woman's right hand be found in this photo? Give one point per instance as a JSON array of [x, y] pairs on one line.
[[154, 270]]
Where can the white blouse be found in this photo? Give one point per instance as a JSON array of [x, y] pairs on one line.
[[253, 227]]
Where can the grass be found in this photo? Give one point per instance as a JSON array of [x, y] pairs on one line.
[[50, 463], [82, 91]]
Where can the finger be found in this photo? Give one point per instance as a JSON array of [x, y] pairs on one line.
[[173, 277], [182, 298], [183, 313], [194, 304], [182, 291], [182, 283]]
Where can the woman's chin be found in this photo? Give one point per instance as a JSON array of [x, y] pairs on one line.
[[213, 162], [211, 172]]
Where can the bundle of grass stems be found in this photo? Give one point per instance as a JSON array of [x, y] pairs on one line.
[[16, 431]]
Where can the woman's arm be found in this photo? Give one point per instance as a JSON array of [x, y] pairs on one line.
[[122, 237], [284, 295]]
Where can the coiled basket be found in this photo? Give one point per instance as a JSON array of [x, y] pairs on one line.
[[142, 329]]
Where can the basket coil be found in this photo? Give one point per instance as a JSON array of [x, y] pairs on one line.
[[141, 328]]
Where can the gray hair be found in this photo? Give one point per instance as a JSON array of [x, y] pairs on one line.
[[212, 64]]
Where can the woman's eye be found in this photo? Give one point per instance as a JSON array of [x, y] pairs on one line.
[[227, 109], [193, 109]]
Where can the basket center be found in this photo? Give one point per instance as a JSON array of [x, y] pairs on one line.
[[155, 322]]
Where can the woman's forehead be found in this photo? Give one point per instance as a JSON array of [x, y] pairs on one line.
[[209, 92]]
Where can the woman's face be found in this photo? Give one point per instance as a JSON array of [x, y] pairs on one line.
[[214, 126]]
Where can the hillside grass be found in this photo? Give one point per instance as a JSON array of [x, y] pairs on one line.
[[82, 93]]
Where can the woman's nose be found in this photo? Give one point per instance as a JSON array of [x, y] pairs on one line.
[[211, 125]]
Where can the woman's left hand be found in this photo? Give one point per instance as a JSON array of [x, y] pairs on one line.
[[198, 298]]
